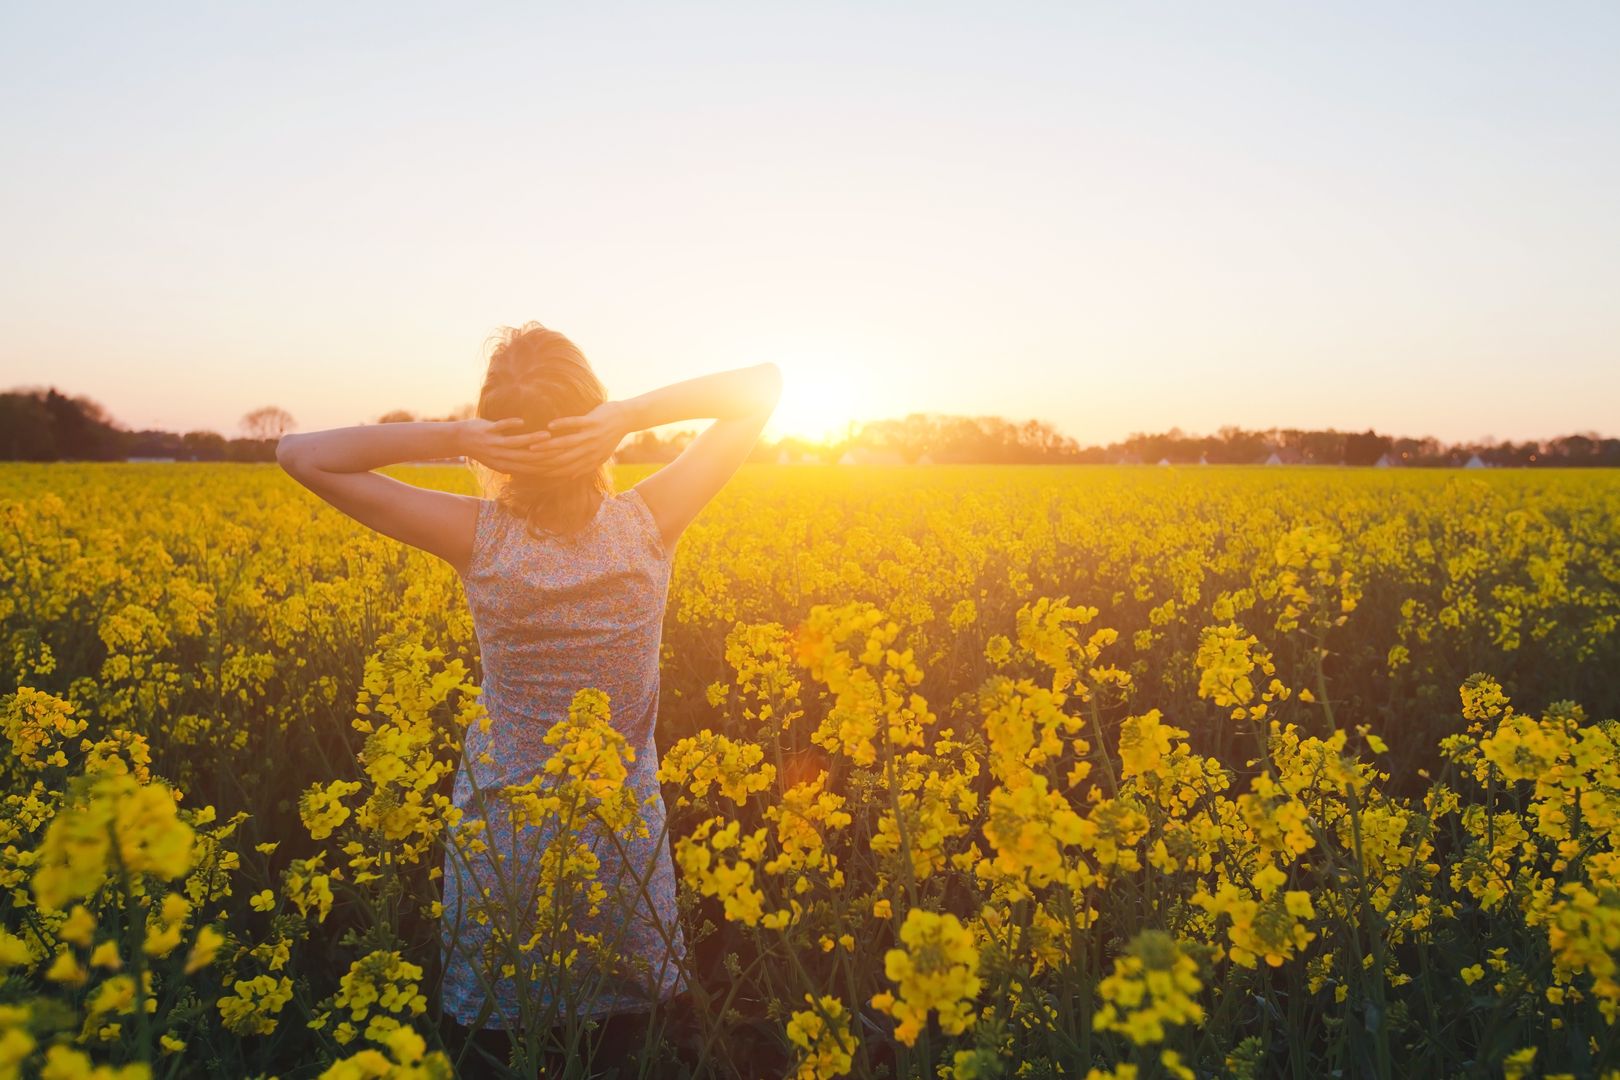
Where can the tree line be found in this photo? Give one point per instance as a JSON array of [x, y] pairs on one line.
[[925, 437], [47, 425]]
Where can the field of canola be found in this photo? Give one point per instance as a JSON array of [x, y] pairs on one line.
[[971, 772]]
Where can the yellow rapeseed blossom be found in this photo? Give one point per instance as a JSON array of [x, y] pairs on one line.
[[1155, 983], [935, 970], [822, 1038]]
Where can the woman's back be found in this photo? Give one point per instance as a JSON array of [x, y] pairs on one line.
[[555, 615]]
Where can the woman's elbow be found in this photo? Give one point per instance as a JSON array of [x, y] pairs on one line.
[[290, 454], [771, 386]]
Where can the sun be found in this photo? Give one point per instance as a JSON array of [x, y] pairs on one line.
[[821, 397]]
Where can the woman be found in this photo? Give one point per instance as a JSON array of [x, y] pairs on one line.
[[567, 581]]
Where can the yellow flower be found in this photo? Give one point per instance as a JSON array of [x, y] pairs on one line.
[[935, 970], [165, 925], [111, 822], [69, 1063], [721, 863], [1144, 742], [406, 1059], [106, 956], [321, 807], [821, 1033], [706, 759], [67, 969], [1517, 1065], [252, 1008], [383, 980], [1029, 826], [204, 950], [39, 726], [79, 927], [1154, 984], [14, 951]]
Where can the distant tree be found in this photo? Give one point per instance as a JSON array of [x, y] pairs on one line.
[[153, 444], [250, 450], [203, 445], [1365, 449], [396, 416], [1579, 449], [269, 422], [84, 431], [1322, 448], [1424, 451], [46, 425], [27, 429]]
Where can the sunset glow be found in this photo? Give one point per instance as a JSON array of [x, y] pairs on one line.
[[822, 394], [1292, 215]]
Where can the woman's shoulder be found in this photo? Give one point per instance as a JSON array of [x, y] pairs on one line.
[[641, 517], [622, 522]]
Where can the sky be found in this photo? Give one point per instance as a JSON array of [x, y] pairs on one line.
[[1112, 217]]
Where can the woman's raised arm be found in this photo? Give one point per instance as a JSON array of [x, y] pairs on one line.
[[739, 401], [336, 464]]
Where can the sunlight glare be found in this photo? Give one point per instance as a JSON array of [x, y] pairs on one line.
[[819, 397]]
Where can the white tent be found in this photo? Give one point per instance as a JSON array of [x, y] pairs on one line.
[[1164, 461], [1274, 459], [1475, 463], [1383, 462]]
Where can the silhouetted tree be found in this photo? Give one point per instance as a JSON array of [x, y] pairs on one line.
[[269, 422], [27, 428], [46, 425], [203, 445], [84, 431], [1365, 449]]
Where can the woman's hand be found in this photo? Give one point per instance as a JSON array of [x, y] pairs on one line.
[[580, 444], [500, 445]]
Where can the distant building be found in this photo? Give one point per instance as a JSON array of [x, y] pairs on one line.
[[1274, 459], [1475, 462], [860, 455], [1384, 462], [1164, 461]]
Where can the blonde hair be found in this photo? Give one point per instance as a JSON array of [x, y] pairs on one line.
[[539, 375]]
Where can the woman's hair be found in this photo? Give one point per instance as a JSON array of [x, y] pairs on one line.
[[539, 375]]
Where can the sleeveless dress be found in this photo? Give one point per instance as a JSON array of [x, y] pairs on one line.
[[554, 615]]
